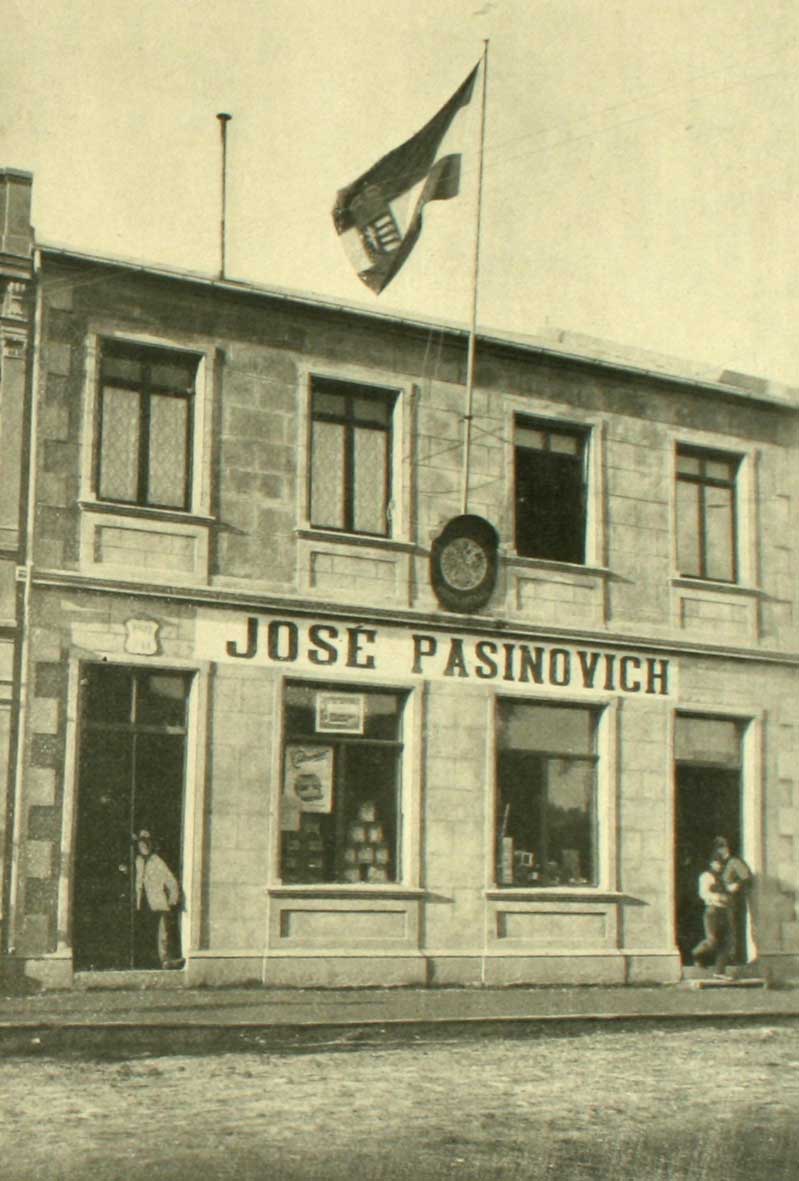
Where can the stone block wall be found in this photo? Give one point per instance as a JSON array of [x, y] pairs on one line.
[[235, 867]]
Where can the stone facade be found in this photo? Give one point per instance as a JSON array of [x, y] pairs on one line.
[[624, 635], [16, 332]]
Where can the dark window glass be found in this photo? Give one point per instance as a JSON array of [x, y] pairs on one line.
[[144, 434], [546, 799], [706, 540], [550, 492], [341, 791], [350, 466]]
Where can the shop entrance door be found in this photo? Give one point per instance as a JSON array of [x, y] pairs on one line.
[[708, 805], [131, 772]]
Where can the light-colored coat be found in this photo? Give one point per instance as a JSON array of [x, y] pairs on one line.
[[156, 882]]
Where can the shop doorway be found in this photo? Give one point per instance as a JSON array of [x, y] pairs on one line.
[[708, 804], [131, 775]]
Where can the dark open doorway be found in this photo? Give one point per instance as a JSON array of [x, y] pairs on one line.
[[708, 804], [131, 772]]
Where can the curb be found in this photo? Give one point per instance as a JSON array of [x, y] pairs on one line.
[[118, 1038]]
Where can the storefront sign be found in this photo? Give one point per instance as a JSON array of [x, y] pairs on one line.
[[327, 648], [309, 777], [338, 713]]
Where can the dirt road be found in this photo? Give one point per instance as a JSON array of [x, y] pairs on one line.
[[713, 1103]]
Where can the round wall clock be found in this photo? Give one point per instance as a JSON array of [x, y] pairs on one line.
[[463, 563]]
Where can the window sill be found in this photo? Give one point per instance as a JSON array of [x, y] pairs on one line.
[[516, 560], [346, 890], [334, 537], [144, 512], [717, 588], [553, 894]]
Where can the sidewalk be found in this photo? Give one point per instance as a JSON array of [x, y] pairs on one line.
[[286, 1009]]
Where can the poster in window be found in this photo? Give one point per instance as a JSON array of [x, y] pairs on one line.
[[308, 782], [339, 713]]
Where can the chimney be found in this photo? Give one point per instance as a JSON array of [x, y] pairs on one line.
[[16, 231]]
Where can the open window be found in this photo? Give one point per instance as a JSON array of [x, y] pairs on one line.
[[550, 471]]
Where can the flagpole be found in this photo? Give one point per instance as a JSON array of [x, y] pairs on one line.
[[470, 364], [224, 119]]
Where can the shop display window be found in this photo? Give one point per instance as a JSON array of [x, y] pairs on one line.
[[546, 795], [340, 803], [706, 528], [145, 425], [550, 491], [350, 457]]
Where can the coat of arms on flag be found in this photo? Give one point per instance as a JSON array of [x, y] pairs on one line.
[[379, 216]]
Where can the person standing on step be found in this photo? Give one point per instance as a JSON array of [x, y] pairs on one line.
[[737, 878], [719, 941]]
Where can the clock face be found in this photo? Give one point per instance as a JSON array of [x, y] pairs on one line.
[[464, 563]]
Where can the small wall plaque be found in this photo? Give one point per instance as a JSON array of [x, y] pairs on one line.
[[141, 637]]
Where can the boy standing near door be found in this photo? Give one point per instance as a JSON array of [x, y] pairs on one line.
[[719, 940]]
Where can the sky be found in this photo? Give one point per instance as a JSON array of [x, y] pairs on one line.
[[641, 161]]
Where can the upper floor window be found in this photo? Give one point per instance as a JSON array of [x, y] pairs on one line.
[[706, 541], [350, 463], [550, 491], [145, 425]]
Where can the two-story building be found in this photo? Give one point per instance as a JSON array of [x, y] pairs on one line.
[[393, 717]]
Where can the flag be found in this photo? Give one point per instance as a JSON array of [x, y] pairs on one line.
[[379, 215]]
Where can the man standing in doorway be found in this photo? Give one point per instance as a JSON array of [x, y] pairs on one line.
[[156, 900], [719, 941], [736, 878]]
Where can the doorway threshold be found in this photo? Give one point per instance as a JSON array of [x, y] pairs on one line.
[[740, 976], [131, 979]]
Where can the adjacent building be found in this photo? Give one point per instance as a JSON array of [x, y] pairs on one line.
[[407, 692]]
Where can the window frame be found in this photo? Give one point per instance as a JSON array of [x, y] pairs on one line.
[[146, 390], [351, 388], [404, 855], [604, 758], [587, 433], [705, 454], [206, 380]]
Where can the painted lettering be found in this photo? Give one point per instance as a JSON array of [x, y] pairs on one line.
[[322, 652], [231, 647], [485, 651], [531, 666], [423, 646], [588, 667], [625, 664], [657, 673], [610, 671], [284, 650], [456, 661], [356, 636], [560, 666], [508, 673]]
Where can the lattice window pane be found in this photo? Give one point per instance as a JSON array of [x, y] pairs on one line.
[[168, 460], [369, 475], [119, 444], [327, 475]]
